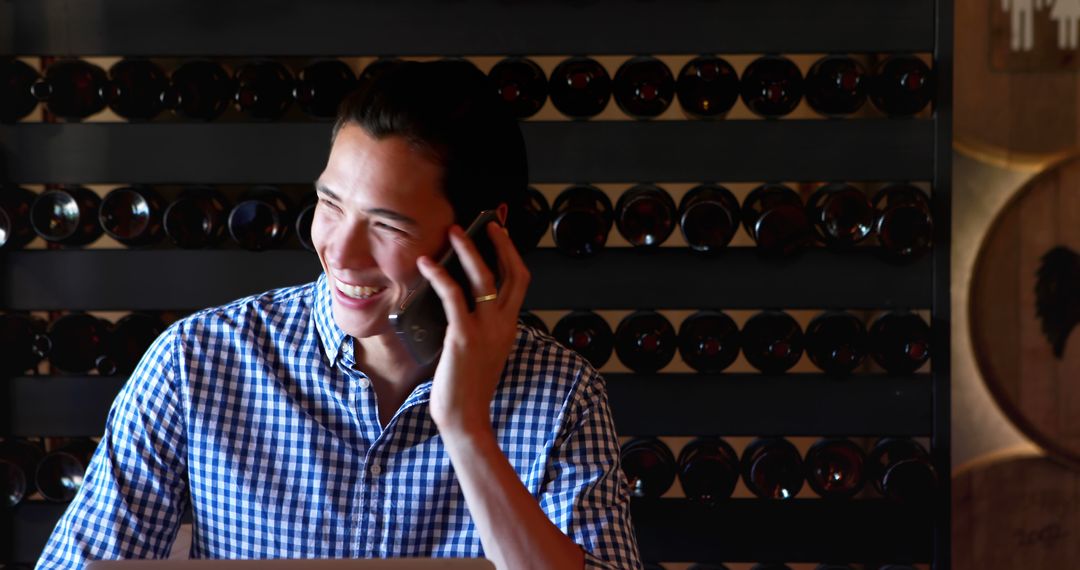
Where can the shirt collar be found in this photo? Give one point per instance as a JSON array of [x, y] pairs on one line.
[[330, 334]]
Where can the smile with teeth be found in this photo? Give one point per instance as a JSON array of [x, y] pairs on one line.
[[358, 291]]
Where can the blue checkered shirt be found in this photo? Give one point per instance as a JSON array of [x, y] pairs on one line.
[[253, 416]]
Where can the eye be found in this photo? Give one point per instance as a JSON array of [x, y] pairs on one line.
[[387, 227], [329, 204]]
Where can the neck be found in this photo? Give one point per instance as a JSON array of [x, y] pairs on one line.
[[386, 359]]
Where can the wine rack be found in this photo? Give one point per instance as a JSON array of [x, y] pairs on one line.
[[860, 149], [559, 151]]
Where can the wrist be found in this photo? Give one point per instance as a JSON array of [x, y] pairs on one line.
[[465, 427]]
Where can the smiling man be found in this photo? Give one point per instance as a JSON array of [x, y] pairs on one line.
[[295, 424]]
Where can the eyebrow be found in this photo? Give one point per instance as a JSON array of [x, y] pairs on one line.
[[381, 212]]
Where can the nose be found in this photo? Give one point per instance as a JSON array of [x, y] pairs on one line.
[[349, 247]]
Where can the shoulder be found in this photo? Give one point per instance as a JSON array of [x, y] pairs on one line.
[[276, 308], [539, 368]]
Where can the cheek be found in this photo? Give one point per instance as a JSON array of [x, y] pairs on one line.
[[396, 261], [320, 228]]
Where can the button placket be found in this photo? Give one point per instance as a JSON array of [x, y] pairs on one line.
[[375, 469]]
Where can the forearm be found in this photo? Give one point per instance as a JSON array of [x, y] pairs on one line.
[[514, 530]]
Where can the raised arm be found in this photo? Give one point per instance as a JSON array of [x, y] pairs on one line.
[[515, 531]]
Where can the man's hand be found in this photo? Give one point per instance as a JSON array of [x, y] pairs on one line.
[[477, 343], [514, 531]]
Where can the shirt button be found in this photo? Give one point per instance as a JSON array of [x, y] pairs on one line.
[[365, 383], [376, 470]]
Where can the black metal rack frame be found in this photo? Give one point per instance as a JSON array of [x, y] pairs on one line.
[[559, 151]]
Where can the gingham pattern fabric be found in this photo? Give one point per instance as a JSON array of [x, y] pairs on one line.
[[254, 416]]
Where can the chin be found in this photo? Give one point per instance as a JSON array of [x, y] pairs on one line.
[[362, 326]]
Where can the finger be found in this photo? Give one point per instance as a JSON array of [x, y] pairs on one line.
[[480, 277], [450, 294], [513, 269]]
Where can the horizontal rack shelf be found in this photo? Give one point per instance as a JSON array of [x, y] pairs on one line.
[[671, 530], [559, 151], [801, 404], [796, 530], [57, 406], [233, 27], [653, 404], [616, 278]]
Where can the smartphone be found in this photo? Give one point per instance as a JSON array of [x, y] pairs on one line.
[[420, 321]]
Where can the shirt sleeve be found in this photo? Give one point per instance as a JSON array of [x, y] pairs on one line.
[[135, 488], [585, 492]]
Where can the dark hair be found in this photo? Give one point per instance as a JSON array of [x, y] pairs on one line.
[[449, 110]]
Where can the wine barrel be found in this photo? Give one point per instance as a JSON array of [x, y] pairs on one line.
[[1013, 104], [1024, 309], [1015, 513]]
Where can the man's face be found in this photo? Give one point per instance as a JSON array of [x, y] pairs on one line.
[[381, 206]]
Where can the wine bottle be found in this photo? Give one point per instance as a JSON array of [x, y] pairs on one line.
[[67, 216], [772, 341], [129, 339], [197, 219], [836, 342], [772, 468], [582, 218], [774, 217], [304, 220], [905, 227], [521, 84], [771, 86], [264, 89], [262, 220], [834, 468], [18, 460], [901, 470], [902, 85], [321, 87], [645, 215], [376, 68], [841, 215], [709, 341], [586, 333], [136, 89], [836, 86], [200, 90], [77, 343], [132, 215], [15, 228], [60, 473], [21, 343], [708, 469], [531, 320], [708, 87], [17, 99], [645, 341], [72, 89], [649, 466], [643, 87], [900, 342], [709, 217], [580, 87], [533, 222]]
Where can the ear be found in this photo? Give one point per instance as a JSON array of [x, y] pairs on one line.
[[501, 211]]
